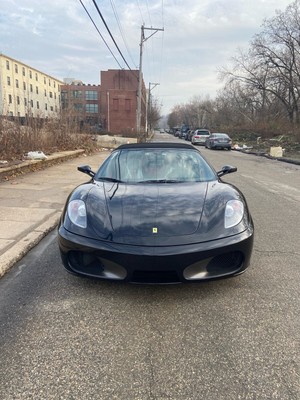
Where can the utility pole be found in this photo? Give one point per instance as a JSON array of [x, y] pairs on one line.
[[139, 99], [149, 105]]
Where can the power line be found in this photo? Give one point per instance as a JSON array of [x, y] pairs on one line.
[[103, 20], [100, 33], [121, 30]]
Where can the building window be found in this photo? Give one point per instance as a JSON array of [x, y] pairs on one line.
[[78, 106], [50, 94], [44, 80], [7, 64], [91, 95], [31, 103], [49, 82], [55, 96], [23, 71], [37, 105], [36, 76], [54, 84], [8, 80], [45, 92], [127, 104], [51, 108], [46, 106], [25, 102], [17, 83], [115, 104], [37, 90], [18, 100], [31, 88], [30, 74], [16, 68], [91, 108], [77, 94], [9, 98], [24, 85]]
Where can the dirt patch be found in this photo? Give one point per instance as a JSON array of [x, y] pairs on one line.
[[256, 144]]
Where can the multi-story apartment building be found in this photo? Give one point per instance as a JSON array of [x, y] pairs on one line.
[[27, 92]]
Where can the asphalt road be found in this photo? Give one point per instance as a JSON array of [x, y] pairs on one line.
[[63, 337]]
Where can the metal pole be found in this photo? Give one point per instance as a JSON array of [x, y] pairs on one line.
[[139, 99], [149, 104], [108, 116], [139, 103]]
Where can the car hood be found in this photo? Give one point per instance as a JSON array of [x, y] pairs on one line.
[[146, 210], [157, 214]]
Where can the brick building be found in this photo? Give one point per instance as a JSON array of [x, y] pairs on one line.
[[119, 89], [82, 102]]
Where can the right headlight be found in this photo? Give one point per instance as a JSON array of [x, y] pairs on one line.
[[77, 213], [234, 212]]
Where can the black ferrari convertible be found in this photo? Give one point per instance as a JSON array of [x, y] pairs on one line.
[[156, 213]]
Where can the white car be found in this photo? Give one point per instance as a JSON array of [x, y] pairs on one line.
[[200, 136]]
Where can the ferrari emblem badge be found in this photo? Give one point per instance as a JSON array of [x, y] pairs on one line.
[[154, 230]]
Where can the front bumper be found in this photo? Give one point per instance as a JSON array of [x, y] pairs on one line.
[[161, 264]]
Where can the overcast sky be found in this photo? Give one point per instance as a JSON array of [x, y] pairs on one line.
[[199, 36]]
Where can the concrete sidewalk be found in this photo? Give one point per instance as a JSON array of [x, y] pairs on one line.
[[31, 202]]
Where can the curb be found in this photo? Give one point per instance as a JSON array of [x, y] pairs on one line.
[[258, 154], [21, 248], [33, 165]]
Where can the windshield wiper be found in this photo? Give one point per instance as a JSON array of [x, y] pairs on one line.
[[161, 181], [104, 178]]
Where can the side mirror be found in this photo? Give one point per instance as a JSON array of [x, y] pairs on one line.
[[86, 169], [227, 169]]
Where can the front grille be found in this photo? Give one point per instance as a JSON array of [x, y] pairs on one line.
[[226, 262]]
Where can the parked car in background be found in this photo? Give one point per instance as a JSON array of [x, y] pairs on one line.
[[200, 136], [189, 135], [218, 141]]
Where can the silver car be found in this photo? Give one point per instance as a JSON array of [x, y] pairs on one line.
[[200, 136], [218, 141]]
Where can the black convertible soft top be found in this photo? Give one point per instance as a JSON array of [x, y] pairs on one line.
[[156, 145]]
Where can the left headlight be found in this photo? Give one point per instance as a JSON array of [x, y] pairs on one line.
[[77, 213], [234, 212]]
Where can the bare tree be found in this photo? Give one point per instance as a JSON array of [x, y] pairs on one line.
[[154, 112], [277, 49], [269, 71]]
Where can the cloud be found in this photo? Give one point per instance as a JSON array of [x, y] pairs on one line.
[[59, 38]]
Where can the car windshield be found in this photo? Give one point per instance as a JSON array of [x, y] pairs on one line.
[[155, 165]]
